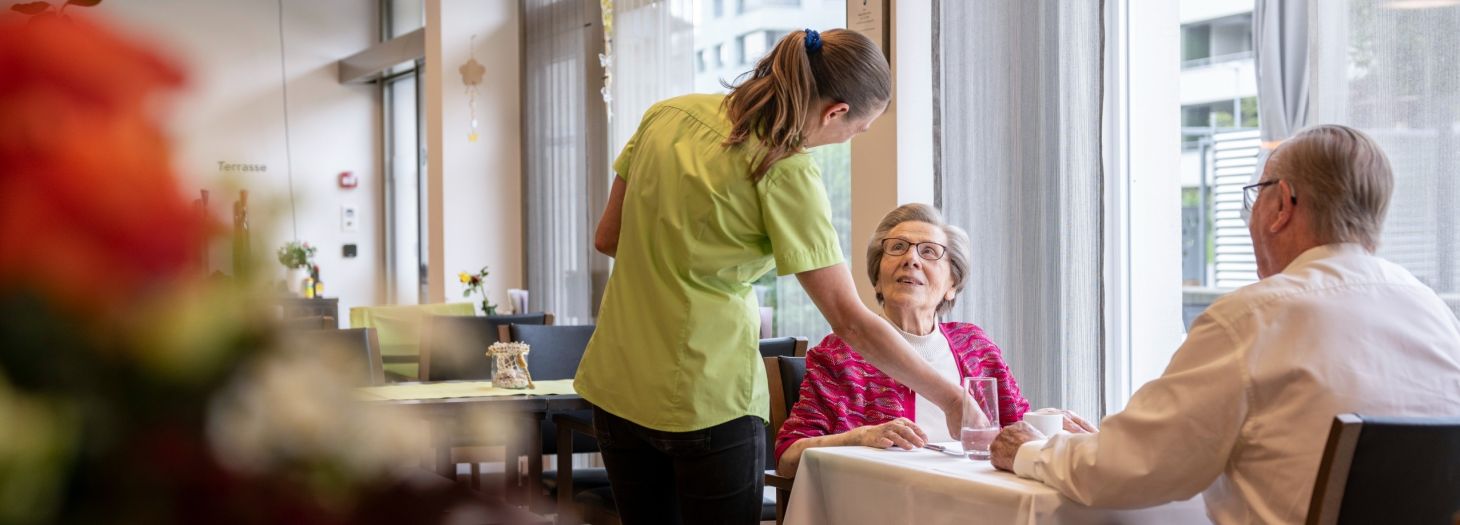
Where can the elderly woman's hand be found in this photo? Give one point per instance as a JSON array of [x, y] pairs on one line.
[[901, 432]]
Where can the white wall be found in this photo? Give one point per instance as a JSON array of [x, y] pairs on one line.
[[232, 111], [892, 163], [475, 187]]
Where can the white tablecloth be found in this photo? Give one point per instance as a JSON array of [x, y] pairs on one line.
[[851, 485]]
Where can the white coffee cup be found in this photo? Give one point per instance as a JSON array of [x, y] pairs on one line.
[[1047, 423]]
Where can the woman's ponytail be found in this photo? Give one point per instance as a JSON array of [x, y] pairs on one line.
[[804, 68]]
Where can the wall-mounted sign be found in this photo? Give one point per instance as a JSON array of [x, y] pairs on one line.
[[241, 167], [870, 18]]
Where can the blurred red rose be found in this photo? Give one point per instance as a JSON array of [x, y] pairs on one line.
[[91, 215]]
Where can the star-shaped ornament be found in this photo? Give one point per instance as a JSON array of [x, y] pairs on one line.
[[471, 72]]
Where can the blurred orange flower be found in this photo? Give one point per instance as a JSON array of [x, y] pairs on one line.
[[91, 214]]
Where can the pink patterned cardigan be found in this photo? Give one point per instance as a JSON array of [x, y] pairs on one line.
[[842, 391]]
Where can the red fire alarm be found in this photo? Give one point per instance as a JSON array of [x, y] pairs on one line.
[[348, 180]]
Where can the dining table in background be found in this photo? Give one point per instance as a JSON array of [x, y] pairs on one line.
[[457, 410]]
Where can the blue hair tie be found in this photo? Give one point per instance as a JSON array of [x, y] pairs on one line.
[[813, 41]]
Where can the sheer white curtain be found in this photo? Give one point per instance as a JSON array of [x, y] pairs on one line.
[[1020, 97], [1392, 69], [1280, 44], [564, 154], [653, 59]]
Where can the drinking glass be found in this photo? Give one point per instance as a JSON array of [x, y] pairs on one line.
[[980, 416]]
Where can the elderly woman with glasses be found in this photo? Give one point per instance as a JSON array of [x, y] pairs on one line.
[[917, 264]]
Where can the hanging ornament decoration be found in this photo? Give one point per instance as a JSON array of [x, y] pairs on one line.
[[471, 76], [605, 59]]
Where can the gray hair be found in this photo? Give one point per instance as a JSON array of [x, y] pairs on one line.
[[957, 252], [1345, 179]]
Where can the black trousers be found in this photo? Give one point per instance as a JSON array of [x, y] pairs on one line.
[[708, 476]]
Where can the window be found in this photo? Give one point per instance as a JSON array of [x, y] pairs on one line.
[[407, 254], [1214, 41], [755, 45], [1219, 147], [647, 69], [1389, 68], [1200, 121], [719, 8], [1385, 67], [746, 6]]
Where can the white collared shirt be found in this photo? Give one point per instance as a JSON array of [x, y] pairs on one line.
[[1243, 410]]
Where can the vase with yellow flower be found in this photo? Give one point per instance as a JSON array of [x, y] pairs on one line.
[[477, 283]]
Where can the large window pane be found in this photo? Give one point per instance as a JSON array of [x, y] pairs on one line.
[[722, 44], [1218, 93], [404, 193], [1396, 75]]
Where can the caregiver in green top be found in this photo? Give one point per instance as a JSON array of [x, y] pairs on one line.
[[712, 192]]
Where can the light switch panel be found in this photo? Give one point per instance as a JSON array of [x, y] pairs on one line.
[[349, 219]]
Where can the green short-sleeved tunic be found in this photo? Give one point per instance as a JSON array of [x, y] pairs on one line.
[[676, 344]]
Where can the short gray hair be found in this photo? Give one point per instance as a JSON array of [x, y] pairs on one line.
[[957, 252], [1344, 178]]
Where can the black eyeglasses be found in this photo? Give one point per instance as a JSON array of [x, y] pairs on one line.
[[929, 251], [1250, 192]]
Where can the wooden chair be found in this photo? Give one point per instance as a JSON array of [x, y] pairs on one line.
[[312, 322], [555, 354], [358, 346], [784, 374], [783, 346], [455, 348], [399, 328], [1388, 470]]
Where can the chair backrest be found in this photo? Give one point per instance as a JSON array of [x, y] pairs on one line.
[[311, 322], [783, 375], [400, 329], [359, 347], [1388, 470], [783, 346], [555, 350], [555, 354], [455, 347], [792, 373]]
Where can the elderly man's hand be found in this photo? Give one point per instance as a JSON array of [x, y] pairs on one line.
[[1075, 424], [1004, 447]]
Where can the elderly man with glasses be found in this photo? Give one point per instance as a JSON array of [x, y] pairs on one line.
[[1242, 412]]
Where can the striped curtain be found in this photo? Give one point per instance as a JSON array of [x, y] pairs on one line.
[[1019, 96], [564, 155]]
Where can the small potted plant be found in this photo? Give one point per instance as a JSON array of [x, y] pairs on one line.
[[478, 283], [297, 258]]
